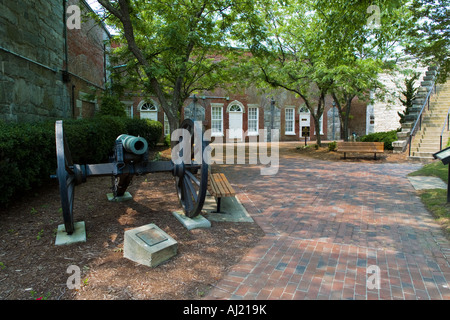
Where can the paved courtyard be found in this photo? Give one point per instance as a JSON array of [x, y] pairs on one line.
[[327, 224]]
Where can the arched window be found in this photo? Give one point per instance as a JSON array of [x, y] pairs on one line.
[[149, 107], [304, 109], [148, 110], [235, 108]]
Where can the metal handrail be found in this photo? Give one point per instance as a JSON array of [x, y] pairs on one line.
[[419, 117], [443, 127]]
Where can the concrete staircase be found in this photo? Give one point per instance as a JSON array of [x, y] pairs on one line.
[[427, 140]]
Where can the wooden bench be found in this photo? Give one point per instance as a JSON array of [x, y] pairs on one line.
[[361, 147], [219, 187]]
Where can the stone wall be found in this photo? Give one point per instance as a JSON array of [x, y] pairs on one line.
[[34, 84], [382, 114], [31, 57]]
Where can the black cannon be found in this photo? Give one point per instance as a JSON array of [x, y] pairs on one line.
[[130, 158]]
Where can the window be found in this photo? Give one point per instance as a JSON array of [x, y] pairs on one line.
[[289, 121], [129, 111], [148, 110], [235, 108], [149, 107], [252, 120], [166, 125], [216, 121]]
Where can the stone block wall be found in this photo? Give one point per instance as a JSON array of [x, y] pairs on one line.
[[33, 61], [383, 112], [31, 57]]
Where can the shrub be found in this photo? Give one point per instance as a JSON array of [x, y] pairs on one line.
[[111, 106], [386, 137], [27, 157], [332, 146], [28, 151], [167, 140], [150, 130]]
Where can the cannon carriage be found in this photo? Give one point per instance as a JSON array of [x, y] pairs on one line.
[[130, 158]]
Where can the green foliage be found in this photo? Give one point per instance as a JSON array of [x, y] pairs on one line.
[[429, 37], [332, 146], [410, 94], [167, 140], [386, 137], [111, 106], [28, 151], [171, 49], [150, 130]]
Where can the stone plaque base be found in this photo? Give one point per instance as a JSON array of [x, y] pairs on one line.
[[126, 196], [78, 235], [192, 223], [149, 245]]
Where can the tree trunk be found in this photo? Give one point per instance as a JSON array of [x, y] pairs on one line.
[[317, 128]]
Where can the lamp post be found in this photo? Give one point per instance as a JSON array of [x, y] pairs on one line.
[[272, 116], [334, 109]]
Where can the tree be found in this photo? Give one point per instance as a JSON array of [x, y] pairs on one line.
[[429, 38], [409, 93], [362, 43], [287, 54], [316, 48], [173, 48]]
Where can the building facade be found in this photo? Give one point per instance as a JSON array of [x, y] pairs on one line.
[[52, 68], [237, 117]]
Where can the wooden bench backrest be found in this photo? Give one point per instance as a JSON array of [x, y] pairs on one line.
[[361, 146]]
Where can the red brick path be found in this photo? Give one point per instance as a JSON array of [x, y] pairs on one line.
[[326, 223]]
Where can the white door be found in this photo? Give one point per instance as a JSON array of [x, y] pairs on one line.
[[235, 130], [305, 126], [152, 115], [235, 123]]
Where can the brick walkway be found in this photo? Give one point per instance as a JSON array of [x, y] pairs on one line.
[[326, 223]]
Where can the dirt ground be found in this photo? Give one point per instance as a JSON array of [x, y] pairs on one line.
[[32, 267], [323, 154]]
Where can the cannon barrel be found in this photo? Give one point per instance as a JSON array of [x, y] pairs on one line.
[[132, 144]]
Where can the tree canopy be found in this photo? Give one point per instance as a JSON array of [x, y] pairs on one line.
[[313, 48], [173, 48]]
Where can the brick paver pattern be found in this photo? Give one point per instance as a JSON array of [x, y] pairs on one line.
[[326, 223]]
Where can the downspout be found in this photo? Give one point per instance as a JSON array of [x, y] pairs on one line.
[[65, 73], [66, 54]]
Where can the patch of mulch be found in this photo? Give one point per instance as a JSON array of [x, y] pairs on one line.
[[32, 267]]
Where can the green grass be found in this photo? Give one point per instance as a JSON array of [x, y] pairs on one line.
[[435, 169], [435, 200]]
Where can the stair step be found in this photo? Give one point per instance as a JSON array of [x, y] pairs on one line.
[[422, 154], [421, 159]]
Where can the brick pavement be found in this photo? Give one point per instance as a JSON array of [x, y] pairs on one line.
[[326, 223]]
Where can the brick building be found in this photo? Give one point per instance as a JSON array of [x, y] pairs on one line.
[[237, 116], [50, 70]]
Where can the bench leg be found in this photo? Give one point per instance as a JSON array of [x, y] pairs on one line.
[[375, 156], [218, 206], [344, 156]]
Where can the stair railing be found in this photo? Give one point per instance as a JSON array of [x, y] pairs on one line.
[[446, 123], [418, 124]]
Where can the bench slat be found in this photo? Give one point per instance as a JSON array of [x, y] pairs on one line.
[[225, 186], [220, 187]]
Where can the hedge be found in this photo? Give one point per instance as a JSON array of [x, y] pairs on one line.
[[386, 137], [28, 151]]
